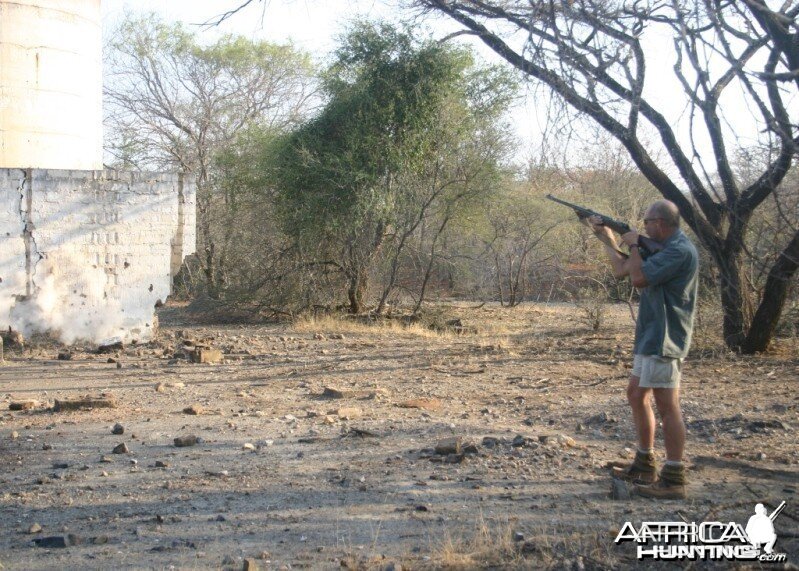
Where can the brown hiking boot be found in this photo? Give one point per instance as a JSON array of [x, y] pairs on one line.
[[642, 470], [670, 485]]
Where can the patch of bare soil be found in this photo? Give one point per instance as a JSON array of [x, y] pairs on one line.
[[322, 445]]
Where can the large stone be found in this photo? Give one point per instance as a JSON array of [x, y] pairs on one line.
[[58, 541], [121, 449], [449, 446], [87, 402], [184, 441]]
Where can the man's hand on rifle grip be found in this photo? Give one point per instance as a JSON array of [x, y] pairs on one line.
[[630, 238], [602, 232]]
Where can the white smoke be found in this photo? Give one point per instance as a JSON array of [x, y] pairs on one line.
[[70, 300]]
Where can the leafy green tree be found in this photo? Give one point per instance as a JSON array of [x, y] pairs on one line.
[[355, 176]]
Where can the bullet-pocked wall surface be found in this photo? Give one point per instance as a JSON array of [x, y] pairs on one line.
[[51, 84], [88, 254]]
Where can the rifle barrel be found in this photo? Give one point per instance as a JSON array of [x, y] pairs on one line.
[[777, 511]]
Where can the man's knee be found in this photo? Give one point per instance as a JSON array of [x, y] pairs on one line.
[[668, 403], [636, 395]]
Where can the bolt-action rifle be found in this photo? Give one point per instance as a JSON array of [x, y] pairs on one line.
[[646, 246]]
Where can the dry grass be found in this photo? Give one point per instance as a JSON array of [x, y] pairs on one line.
[[492, 545], [329, 324]]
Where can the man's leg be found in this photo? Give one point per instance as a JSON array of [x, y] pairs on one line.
[[668, 405], [643, 415], [643, 468], [671, 483]]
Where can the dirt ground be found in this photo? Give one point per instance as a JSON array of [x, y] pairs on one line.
[[289, 475]]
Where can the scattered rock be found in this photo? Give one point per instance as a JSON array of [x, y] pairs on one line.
[[87, 402], [194, 409], [14, 435], [250, 565], [619, 489], [520, 441], [449, 446], [597, 419], [160, 388], [248, 446], [118, 429], [64, 356], [559, 439], [121, 449], [490, 441], [161, 463], [57, 541], [35, 528], [332, 393], [110, 348], [23, 405], [184, 441], [431, 404], [339, 336]]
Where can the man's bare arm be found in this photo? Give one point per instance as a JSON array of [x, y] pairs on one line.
[[618, 260], [633, 264]]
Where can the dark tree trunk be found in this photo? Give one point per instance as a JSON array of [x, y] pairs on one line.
[[356, 293], [775, 293]]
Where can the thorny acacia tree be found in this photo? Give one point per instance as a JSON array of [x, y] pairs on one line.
[[174, 103], [365, 170], [596, 56]]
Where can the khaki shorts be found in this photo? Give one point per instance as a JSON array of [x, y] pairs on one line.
[[657, 372]]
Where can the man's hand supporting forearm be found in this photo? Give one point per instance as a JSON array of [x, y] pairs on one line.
[[622, 265]]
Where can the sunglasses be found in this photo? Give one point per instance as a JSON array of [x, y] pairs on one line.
[[648, 220]]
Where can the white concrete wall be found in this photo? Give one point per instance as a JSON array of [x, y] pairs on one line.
[[87, 254], [51, 84]]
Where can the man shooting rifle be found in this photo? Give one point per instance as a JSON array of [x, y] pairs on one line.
[[667, 277]]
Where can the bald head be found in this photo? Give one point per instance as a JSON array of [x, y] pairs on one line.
[[667, 211]]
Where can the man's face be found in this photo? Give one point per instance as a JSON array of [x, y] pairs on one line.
[[653, 226]]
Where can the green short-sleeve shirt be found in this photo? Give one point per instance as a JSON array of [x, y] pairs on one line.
[[668, 304]]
